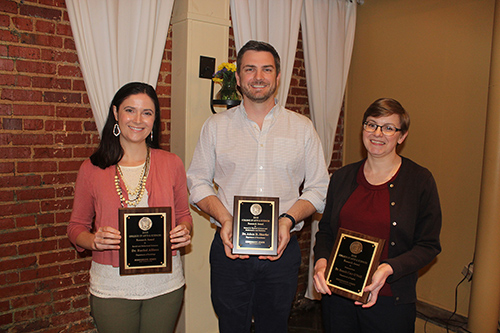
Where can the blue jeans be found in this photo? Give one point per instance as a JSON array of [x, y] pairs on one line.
[[251, 287]]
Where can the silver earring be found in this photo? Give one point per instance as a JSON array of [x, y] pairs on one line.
[[116, 130], [151, 136]]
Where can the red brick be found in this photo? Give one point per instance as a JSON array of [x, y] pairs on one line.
[[73, 112], [32, 139], [54, 125], [76, 266], [64, 29], [25, 221], [71, 139], [33, 110], [90, 126], [33, 124], [8, 251], [7, 223], [41, 246], [78, 85], [73, 126], [44, 26], [31, 300], [43, 311], [51, 83], [54, 257], [50, 205], [4, 306], [21, 95], [42, 219], [12, 124], [69, 317], [42, 12], [36, 67], [16, 181], [9, 36], [29, 167], [38, 325], [51, 153], [39, 273], [18, 235], [61, 97], [69, 44], [22, 23], [6, 64], [5, 138], [54, 231], [6, 167], [61, 178], [69, 165], [18, 209], [15, 152], [59, 56], [35, 194], [24, 315], [6, 196], [72, 71], [15, 264], [6, 318], [8, 6], [5, 110]]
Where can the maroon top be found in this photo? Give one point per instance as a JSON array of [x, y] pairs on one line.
[[367, 211]]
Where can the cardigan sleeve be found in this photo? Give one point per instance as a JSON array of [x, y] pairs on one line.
[[83, 205], [181, 200]]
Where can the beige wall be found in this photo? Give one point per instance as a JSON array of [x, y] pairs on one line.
[[432, 56]]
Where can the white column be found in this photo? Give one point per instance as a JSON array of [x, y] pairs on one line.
[[199, 28]]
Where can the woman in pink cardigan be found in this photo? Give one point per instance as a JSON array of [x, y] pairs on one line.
[[128, 170]]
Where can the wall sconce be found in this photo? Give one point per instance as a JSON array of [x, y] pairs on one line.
[[207, 70]]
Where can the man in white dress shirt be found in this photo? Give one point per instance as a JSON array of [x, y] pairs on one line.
[[257, 149]]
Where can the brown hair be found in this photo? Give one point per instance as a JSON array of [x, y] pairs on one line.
[[384, 107]]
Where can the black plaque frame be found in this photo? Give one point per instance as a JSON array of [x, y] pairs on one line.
[[255, 234], [354, 260], [145, 245]]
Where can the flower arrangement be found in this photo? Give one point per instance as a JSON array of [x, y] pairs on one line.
[[225, 76]]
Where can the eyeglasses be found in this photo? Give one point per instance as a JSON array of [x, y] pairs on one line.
[[387, 129]]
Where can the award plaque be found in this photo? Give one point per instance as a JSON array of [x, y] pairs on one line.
[[355, 257], [145, 244], [255, 225]]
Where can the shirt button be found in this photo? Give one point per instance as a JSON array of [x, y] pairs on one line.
[[260, 190], [262, 145], [392, 243], [394, 223], [261, 167], [393, 203]]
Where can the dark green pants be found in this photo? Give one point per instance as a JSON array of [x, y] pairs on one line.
[[158, 314]]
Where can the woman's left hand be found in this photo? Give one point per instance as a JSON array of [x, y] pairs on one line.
[[180, 236], [378, 280]]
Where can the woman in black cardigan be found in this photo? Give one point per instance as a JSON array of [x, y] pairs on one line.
[[385, 196]]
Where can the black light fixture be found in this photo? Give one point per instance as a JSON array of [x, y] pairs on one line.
[[207, 69]]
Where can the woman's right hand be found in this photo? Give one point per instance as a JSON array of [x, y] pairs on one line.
[[106, 238], [319, 277]]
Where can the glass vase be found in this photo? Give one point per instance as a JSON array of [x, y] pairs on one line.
[[228, 91]]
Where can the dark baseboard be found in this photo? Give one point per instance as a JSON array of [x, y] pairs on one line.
[[442, 318]]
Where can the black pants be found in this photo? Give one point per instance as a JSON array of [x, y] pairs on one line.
[[251, 287], [341, 315]]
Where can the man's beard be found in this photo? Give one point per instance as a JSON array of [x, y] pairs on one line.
[[258, 98]]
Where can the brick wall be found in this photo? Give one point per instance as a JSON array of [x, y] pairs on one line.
[[46, 131]]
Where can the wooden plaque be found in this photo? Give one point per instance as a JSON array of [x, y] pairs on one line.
[[255, 225], [145, 246], [354, 259]]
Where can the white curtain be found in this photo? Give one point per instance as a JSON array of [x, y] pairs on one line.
[[118, 41], [328, 36], [274, 21]]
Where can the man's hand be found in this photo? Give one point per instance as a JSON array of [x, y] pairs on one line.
[[283, 238], [226, 234]]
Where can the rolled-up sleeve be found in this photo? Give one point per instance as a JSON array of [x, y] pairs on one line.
[[316, 178], [201, 172]]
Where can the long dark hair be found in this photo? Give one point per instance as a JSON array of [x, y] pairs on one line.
[[110, 151]]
